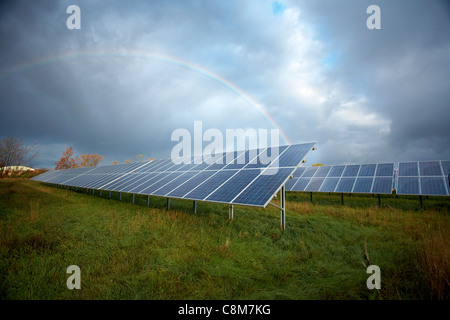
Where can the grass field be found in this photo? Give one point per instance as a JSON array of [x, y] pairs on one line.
[[131, 251]]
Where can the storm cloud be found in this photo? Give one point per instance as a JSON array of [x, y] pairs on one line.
[[138, 70]]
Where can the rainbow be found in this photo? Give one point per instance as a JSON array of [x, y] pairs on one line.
[[156, 57]]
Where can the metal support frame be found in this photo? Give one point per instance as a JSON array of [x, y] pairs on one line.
[[195, 207], [132, 199], [283, 207], [100, 193], [148, 201], [342, 198], [109, 195], [120, 196], [310, 196], [230, 212], [168, 203], [379, 200]]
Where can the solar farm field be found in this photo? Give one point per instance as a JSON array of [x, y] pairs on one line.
[[132, 251]]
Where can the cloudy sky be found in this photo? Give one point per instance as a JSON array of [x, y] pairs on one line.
[[138, 70]]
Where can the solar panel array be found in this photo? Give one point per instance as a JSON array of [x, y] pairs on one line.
[[424, 178], [354, 178], [242, 178]]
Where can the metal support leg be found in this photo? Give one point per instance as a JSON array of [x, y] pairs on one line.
[[231, 212], [168, 203], [379, 201], [109, 195], [342, 198], [148, 201], [132, 200], [310, 196], [195, 207], [120, 196], [93, 191], [283, 207], [421, 202], [100, 193]]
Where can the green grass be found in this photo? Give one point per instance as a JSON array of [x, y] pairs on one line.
[[131, 251]]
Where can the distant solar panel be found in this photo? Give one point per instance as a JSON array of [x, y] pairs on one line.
[[423, 178], [353, 178]]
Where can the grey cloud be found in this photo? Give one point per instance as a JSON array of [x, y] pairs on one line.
[[383, 99]]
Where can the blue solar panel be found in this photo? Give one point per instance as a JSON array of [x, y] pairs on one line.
[[315, 184], [363, 185], [430, 168], [149, 180], [367, 170], [345, 185], [182, 178], [433, 186], [352, 178], [189, 185], [293, 155], [301, 184], [290, 183], [385, 170], [231, 188], [382, 185], [423, 178], [160, 183], [299, 171], [408, 169], [446, 167], [201, 191], [408, 185], [310, 171], [329, 185], [336, 172], [264, 184], [322, 172], [241, 182], [351, 170], [141, 180]]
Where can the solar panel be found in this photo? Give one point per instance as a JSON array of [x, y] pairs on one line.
[[345, 184], [382, 185], [367, 170], [329, 185], [423, 178], [243, 177], [363, 185], [314, 184], [352, 178], [408, 185], [301, 184]]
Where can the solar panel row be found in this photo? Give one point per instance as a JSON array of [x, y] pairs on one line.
[[236, 180], [366, 178], [423, 178]]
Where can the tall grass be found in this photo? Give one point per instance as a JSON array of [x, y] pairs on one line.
[[128, 251]]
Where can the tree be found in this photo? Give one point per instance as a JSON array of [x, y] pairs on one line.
[[13, 152], [67, 161], [89, 160]]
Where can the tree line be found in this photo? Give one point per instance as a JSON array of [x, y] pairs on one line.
[[15, 154]]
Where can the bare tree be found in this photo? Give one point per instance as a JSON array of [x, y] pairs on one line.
[[13, 152]]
